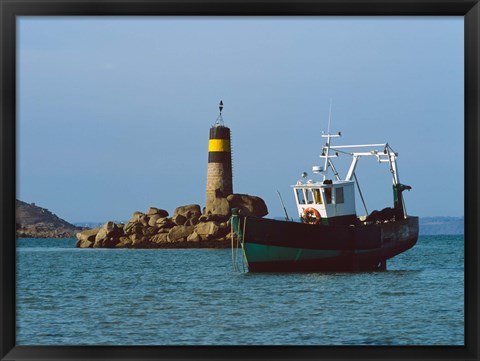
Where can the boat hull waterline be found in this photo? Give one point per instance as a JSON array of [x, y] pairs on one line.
[[281, 246]]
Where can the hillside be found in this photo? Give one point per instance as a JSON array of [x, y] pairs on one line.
[[36, 222]]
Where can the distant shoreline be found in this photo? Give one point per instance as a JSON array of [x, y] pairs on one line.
[[429, 226]]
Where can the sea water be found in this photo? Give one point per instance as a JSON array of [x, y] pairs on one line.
[[71, 296]]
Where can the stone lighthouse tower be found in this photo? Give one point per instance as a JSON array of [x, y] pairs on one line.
[[219, 174]]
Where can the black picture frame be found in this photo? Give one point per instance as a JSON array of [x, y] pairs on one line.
[[10, 9]]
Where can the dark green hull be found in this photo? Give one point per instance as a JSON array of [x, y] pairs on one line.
[[279, 246]]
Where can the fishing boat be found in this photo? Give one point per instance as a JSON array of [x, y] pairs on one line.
[[329, 235]]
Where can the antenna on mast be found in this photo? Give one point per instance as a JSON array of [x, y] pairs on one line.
[[326, 148], [329, 118]]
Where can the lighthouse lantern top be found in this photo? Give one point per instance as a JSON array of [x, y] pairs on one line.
[[219, 121]]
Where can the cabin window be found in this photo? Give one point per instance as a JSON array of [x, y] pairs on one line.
[[316, 196], [300, 196], [328, 195], [309, 196], [339, 195]]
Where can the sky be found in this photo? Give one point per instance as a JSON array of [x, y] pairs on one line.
[[113, 113]]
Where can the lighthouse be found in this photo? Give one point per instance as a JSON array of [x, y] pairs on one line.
[[219, 173]]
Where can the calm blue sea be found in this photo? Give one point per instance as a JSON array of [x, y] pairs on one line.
[[71, 296]]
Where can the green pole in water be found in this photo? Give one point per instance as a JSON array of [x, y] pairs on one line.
[[235, 219], [236, 229]]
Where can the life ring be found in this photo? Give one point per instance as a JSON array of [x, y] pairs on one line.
[[308, 214]]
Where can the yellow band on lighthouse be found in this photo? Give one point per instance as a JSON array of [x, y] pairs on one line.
[[219, 145]]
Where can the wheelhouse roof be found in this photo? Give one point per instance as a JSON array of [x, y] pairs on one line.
[[316, 184]]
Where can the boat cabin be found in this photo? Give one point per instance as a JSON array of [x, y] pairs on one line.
[[325, 202], [332, 202]]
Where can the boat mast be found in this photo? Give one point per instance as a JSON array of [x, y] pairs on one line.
[[327, 160], [326, 150], [398, 188], [388, 155]]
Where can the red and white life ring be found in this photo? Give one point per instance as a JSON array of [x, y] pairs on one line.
[[311, 216]]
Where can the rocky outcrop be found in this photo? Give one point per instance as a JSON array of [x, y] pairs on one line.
[[37, 222], [188, 227], [248, 205], [86, 239], [219, 208]]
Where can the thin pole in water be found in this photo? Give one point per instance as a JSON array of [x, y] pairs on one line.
[[233, 254]]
